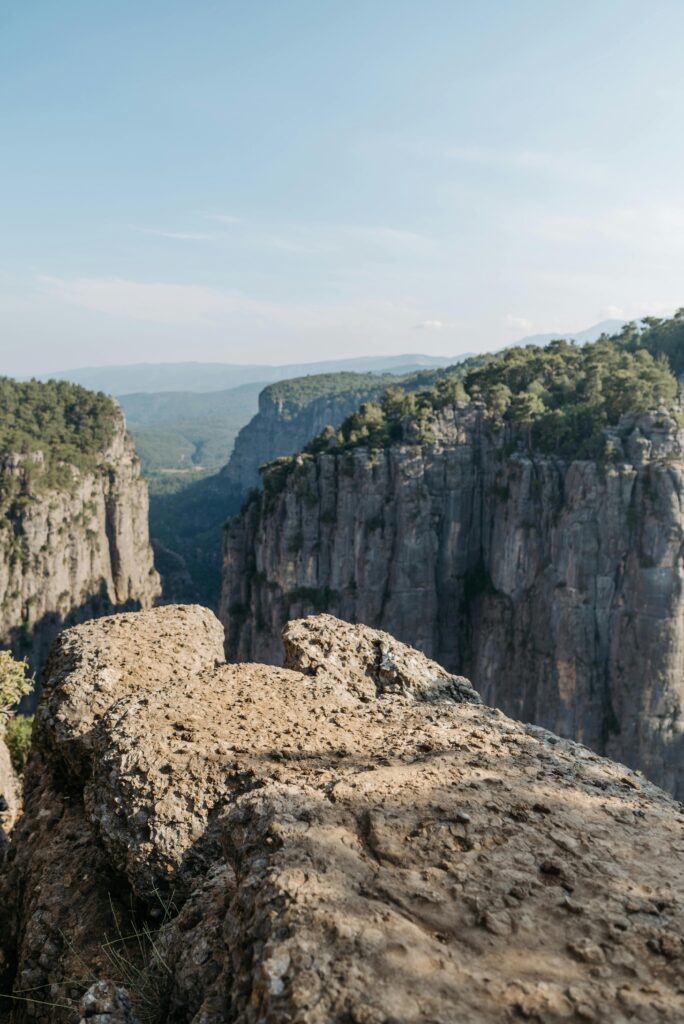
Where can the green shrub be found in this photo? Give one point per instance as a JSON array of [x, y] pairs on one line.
[[15, 683], [562, 397], [295, 394], [15, 730], [657, 337], [558, 399], [18, 740]]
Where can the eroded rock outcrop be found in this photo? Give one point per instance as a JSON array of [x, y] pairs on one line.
[[74, 551], [557, 587], [291, 413], [352, 838]]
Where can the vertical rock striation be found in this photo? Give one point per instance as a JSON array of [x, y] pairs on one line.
[[291, 413], [555, 586], [72, 552]]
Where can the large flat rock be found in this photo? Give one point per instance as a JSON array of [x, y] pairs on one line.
[[351, 839]]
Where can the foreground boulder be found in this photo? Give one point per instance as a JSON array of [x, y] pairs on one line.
[[352, 838]]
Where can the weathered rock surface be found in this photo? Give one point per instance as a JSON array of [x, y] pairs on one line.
[[558, 588], [350, 839], [283, 426], [368, 662], [9, 794], [71, 554], [105, 1003]]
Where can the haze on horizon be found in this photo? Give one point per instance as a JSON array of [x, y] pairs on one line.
[[278, 183]]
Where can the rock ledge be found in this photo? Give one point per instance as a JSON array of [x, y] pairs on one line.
[[352, 838]]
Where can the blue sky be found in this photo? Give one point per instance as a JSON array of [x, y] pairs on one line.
[[291, 179]]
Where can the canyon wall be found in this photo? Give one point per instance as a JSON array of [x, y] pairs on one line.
[[555, 586], [291, 413], [74, 551]]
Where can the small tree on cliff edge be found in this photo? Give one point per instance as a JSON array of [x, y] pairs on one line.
[[15, 683], [15, 730]]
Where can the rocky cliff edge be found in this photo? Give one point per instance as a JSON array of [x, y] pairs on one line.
[[557, 587], [351, 838], [70, 553]]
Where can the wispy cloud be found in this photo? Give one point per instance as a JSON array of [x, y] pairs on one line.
[[223, 308], [155, 302], [180, 236], [653, 226], [223, 218], [552, 163], [385, 237], [442, 157], [304, 239], [638, 310]]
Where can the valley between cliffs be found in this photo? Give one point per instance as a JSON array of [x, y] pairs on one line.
[[290, 413]]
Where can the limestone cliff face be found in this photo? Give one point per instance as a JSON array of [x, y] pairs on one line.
[[556, 587], [283, 426], [74, 552]]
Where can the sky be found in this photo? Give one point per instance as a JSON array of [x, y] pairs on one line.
[[281, 181]]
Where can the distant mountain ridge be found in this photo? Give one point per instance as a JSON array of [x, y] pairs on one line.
[[592, 333], [219, 376], [203, 377]]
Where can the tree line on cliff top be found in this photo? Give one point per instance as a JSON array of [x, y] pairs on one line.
[[35, 415], [68, 424], [557, 399]]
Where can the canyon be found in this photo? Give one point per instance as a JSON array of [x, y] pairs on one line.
[[291, 413], [554, 584]]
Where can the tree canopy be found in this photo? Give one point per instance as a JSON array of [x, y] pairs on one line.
[[66, 422], [565, 395], [660, 337], [556, 399]]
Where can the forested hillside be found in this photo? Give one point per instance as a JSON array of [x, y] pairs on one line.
[[559, 398], [69, 425], [187, 515], [185, 432]]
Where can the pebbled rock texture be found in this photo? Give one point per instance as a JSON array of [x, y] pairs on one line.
[[368, 662], [557, 588], [104, 1003], [334, 841]]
